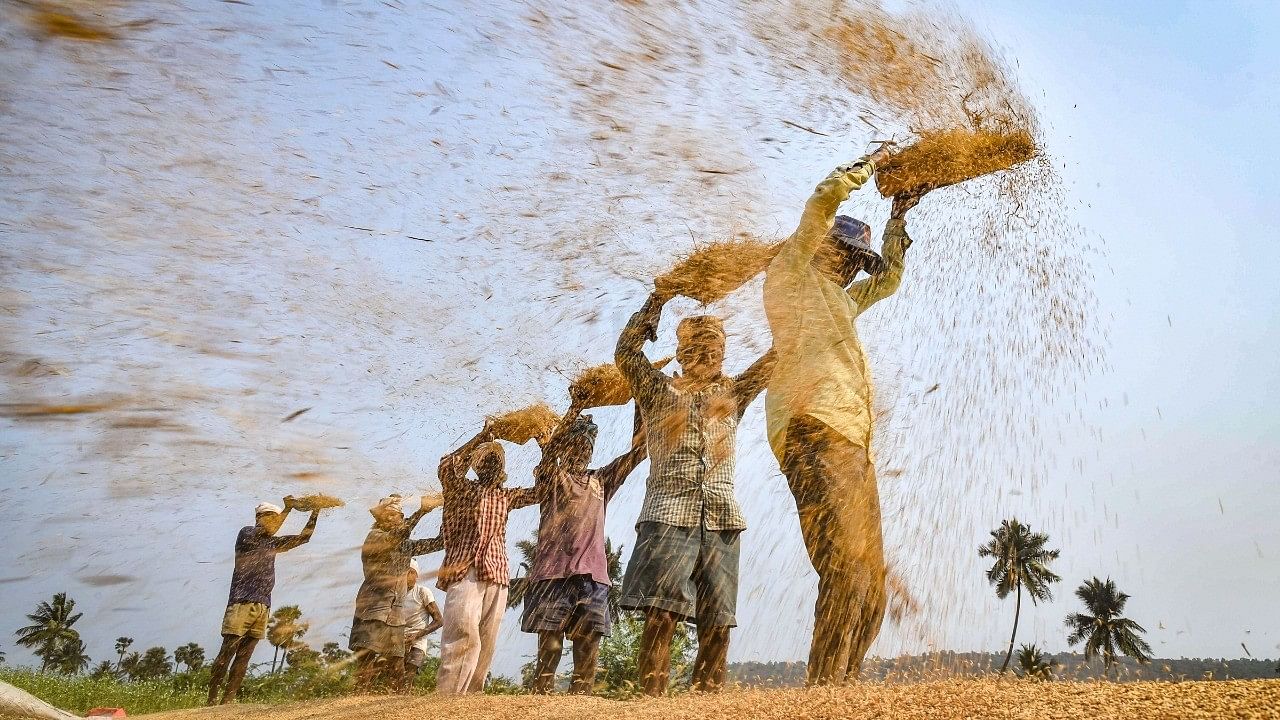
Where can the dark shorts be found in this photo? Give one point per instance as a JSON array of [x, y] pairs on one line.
[[375, 635], [575, 606], [415, 658], [690, 572]]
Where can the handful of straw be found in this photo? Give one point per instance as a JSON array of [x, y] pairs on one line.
[[713, 271], [603, 385], [319, 501], [521, 426], [947, 157]]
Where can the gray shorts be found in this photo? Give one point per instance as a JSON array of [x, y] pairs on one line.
[[377, 636], [691, 572]]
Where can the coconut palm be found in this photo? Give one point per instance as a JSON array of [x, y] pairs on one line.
[[613, 565], [1021, 561], [71, 658], [1035, 664], [520, 585], [191, 655], [1103, 630], [103, 669], [283, 631], [50, 628], [122, 647]]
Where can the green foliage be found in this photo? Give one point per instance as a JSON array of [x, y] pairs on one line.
[[103, 669], [520, 585], [283, 631], [1021, 562], [1104, 632], [619, 676], [78, 693], [51, 631], [333, 653], [154, 664], [1035, 664], [70, 657], [191, 655]]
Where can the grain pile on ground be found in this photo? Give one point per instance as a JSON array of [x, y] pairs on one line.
[[317, 501], [946, 157], [713, 271], [521, 426], [968, 699]]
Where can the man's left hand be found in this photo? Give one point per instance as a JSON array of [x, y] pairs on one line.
[[431, 502], [904, 202]]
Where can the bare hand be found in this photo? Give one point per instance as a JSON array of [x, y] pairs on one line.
[[904, 202], [431, 502], [288, 502]]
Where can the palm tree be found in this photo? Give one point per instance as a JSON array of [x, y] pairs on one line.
[[1021, 561], [613, 565], [71, 658], [51, 628], [151, 665], [1035, 664], [122, 646], [1103, 630], [283, 631], [191, 655], [520, 585], [103, 670]]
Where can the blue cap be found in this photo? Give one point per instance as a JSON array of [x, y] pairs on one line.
[[855, 237]]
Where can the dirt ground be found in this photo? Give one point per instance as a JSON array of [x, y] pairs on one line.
[[947, 699]]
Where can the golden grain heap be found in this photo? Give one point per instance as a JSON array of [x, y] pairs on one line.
[[521, 426], [713, 271]]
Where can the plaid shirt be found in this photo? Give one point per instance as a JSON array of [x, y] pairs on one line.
[[474, 524], [691, 435]]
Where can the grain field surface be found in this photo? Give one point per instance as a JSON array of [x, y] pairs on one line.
[[945, 699]]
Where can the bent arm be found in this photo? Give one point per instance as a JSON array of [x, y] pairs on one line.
[[866, 293], [613, 475], [425, 546], [437, 619], [820, 211], [754, 379], [645, 380], [289, 542]]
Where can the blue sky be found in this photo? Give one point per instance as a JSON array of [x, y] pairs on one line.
[[188, 237]]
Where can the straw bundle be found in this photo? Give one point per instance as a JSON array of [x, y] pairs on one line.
[[947, 157], [318, 501], [603, 385], [521, 426], [713, 271]]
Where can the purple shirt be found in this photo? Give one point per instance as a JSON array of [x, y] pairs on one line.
[[571, 531], [254, 576]]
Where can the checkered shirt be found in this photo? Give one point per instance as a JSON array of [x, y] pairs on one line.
[[474, 525], [691, 435]]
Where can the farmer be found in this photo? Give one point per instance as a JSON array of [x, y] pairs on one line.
[[818, 410], [569, 584], [422, 617], [249, 604], [685, 563], [378, 628], [475, 573]]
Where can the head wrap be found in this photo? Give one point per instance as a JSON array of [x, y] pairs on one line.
[[386, 506], [484, 450], [413, 565], [700, 327], [266, 507]]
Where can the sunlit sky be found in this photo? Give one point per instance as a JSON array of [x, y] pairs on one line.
[[218, 217]]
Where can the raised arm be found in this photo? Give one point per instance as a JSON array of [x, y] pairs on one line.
[[866, 293], [429, 503], [615, 473], [289, 542], [423, 546], [748, 385], [645, 380], [820, 211], [453, 467]]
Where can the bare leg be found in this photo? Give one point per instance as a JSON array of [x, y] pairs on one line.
[[244, 653], [393, 671], [220, 664], [839, 509], [366, 669], [550, 647], [586, 655], [655, 651], [713, 654]]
